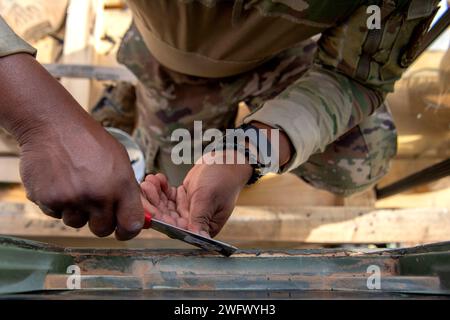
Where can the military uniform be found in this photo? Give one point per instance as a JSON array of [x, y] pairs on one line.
[[197, 59]]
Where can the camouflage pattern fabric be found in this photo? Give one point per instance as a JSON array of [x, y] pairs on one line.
[[357, 160], [117, 107], [167, 100]]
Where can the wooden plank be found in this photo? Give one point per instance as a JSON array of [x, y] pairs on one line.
[[9, 169], [289, 224], [366, 198], [340, 224], [115, 4], [117, 73], [48, 49], [8, 146], [288, 189], [270, 191], [25, 219], [77, 47]]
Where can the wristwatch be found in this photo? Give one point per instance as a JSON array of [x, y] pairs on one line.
[[254, 145]]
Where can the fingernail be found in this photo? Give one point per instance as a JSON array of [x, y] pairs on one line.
[[136, 226]]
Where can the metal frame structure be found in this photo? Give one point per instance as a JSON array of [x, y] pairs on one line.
[[430, 174]]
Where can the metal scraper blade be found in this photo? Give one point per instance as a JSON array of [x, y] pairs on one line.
[[193, 238]]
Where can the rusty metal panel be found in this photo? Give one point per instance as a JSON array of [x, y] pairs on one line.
[[145, 273]]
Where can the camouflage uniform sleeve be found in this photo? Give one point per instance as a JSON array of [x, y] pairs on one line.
[[10, 43], [355, 68]]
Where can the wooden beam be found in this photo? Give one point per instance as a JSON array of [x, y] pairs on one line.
[[272, 224], [8, 146], [77, 49], [9, 169], [287, 189], [86, 71], [366, 198], [339, 224]]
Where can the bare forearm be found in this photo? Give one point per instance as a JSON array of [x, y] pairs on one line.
[[70, 166], [30, 98]]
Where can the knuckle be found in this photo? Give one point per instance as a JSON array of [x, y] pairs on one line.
[[51, 201], [97, 196], [150, 178], [148, 186]]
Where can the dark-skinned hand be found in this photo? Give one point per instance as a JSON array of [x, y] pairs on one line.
[[70, 166]]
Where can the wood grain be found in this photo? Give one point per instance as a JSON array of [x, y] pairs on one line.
[[272, 224]]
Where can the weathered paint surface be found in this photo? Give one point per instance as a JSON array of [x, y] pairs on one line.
[[24, 265], [159, 273]]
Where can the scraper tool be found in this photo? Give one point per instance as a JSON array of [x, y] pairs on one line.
[[138, 164], [188, 236]]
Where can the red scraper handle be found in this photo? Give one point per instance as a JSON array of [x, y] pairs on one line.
[[148, 220]]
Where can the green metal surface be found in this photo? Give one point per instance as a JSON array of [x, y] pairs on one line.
[[24, 265], [32, 270]]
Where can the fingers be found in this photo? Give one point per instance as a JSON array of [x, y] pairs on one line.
[[171, 205], [174, 214], [172, 194], [156, 189], [51, 203], [129, 215], [170, 219], [182, 202], [182, 223], [208, 213], [148, 207], [49, 212], [160, 182], [164, 199], [204, 234], [163, 182], [217, 224], [166, 203], [124, 212], [151, 192], [102, 221], [75, 218]]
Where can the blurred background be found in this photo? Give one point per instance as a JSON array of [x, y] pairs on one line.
[[78, 40]]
